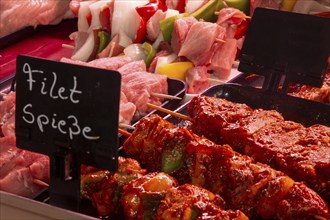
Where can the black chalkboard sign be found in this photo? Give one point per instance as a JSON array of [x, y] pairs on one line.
[[70, 113], [286, 45]]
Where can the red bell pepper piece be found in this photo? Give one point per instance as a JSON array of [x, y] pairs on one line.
[[242, 29], [89, 18], [148, 10], [181, 6], [145, 12], [141, 33]]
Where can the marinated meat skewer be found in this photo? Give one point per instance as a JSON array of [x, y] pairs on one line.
[[158, 196], [302, 153], [256, 189], [132, 193]]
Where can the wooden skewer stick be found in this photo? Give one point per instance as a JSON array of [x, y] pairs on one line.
[[235, 15], [68, 46], [124, 133], [212, 80], [125, 126], [111, 49], [165, 96], [40, 182], [175, 114], [319, 217], [218, 40], [236, 63]]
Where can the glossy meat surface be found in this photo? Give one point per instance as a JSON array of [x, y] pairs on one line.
[[254, 188], [302, 153]]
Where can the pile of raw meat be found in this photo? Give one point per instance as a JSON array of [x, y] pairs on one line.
[[20, 170], [138, 87], [15, 15]]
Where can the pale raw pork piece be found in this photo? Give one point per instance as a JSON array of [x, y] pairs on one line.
[[135, 66], [153, 27], [8, 151], [19, 167], [15, 15], [180, 31], [200, 38], [8, 128], [7, 107], [205, 58], [139, 86], [126, 109], [197, 79], [110, 63], [230, 18], [76, 62], [223, 59], [20, 182]]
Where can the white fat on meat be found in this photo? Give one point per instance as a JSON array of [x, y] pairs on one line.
[[200, 38], [197, 79], [180, 31], [153, 27], [223, 59]]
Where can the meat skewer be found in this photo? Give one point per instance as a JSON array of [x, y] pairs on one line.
[[133, 193], [264, 135], [256, 189]]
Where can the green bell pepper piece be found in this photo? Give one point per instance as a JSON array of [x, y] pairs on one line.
[[206, 12], [150, 52], [172, 159], [104, 38]]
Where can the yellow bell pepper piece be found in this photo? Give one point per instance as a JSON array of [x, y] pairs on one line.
[[288, 5], [175, 70]]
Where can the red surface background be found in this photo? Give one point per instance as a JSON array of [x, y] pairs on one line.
[[44, 42]]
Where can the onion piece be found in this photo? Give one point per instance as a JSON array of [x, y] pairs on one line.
[[97, 9], [136, 52], [124, 40], [192, 6], [125, 17], [89, 48], [165, 60], [82, 14]]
